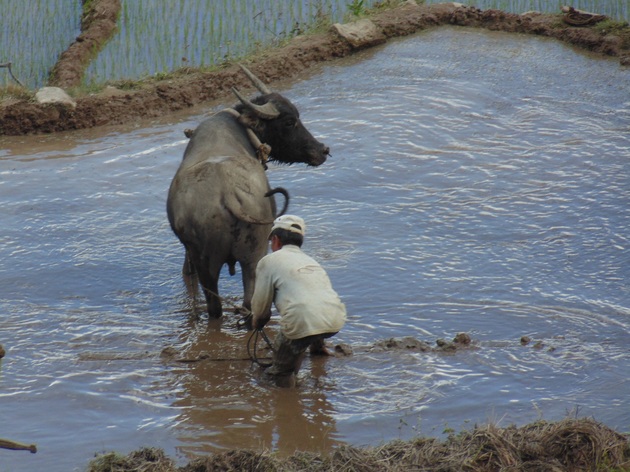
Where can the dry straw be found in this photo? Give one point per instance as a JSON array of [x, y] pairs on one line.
[[568, 445]]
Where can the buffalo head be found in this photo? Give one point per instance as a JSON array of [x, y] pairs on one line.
[[276, 122]]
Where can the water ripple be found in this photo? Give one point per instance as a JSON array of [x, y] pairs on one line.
[[476, 185]]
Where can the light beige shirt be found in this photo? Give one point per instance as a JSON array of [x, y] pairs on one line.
[[301, 291]]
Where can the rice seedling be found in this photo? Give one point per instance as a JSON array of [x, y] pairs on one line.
[[202, 33], [161, 36], [357, 7], [13, 91], [32, 35]]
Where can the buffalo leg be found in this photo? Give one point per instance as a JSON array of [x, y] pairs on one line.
[[189, 274], [209, 279], [249, 279]]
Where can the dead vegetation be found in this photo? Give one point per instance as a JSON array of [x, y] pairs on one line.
[[568, 445]]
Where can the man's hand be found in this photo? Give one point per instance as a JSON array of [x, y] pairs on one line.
[[246, 322], [259, 322]]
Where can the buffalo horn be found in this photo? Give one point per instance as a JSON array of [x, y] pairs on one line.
[[268, 111], [255, 80]]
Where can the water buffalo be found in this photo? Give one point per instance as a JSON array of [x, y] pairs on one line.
[[219, 202]]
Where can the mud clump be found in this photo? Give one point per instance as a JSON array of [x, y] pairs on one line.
[[409, 343], [189, 87], [398, 344], [463, 339], [343, 350]]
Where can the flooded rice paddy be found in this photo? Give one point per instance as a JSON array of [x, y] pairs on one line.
[[208, 32], [157, 38], [479, 182]]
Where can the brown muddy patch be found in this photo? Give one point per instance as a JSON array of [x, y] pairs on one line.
[[189, 87]]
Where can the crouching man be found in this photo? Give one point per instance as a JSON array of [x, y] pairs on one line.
[[310, 310]]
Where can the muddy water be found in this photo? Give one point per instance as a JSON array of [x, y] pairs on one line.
[[479, 182]]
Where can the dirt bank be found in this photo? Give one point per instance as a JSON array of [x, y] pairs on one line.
[[98, 25], [189, 87]]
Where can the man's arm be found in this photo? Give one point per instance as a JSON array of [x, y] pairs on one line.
[[263, 296], [259, 322]]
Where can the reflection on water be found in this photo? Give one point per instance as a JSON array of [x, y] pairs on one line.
[[226, 389], [479, 182]]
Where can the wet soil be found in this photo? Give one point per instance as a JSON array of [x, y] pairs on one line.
[[188, 87]]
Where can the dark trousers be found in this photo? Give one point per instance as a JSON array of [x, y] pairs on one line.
[[289, 354]]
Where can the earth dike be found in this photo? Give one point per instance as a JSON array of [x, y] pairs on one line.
[[188, 87]]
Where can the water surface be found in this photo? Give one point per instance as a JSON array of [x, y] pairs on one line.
[[478, 183]]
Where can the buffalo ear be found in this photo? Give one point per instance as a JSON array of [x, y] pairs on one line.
[[249, 119]]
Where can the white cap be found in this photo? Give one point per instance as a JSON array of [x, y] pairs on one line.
[[291, 223]]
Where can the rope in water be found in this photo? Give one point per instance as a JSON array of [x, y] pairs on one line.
[[252, 351], [252, 348]]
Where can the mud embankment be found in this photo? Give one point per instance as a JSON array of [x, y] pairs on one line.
[[98, 25], [189, 87]]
